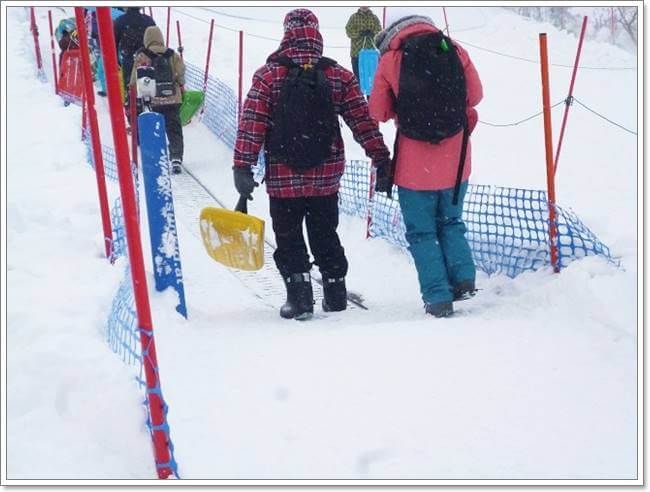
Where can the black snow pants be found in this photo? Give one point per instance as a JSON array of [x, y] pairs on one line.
[[174, 129], [321, 214]]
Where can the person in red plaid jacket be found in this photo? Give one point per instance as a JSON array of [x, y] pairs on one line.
[[310, 194]]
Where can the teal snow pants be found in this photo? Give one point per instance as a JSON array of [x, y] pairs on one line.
[[436, 235]]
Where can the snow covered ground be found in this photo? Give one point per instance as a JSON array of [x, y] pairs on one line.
[[535, 378]]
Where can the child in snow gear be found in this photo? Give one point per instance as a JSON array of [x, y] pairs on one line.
[[168, 70], [304, 157], [361, 28], [428, 83], [129, 30]]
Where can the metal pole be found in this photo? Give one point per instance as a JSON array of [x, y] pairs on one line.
[[52, 46], [37, 46], [134, 245], [570, 96], [169, 12], [383, 19], [150, 12], [444, 11], [548, 140], [180, 42], [88, 107], [241, 72]]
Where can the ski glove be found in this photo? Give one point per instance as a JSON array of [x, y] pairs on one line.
[[244, 182], [384, 183]]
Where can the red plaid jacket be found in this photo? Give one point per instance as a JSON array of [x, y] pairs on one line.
[[304, 45]]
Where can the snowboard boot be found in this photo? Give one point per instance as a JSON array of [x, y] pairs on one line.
[[464, 290], [177, 167], [335, 295], [439, 310], [300, 297]]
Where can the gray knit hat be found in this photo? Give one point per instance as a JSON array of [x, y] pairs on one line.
[[383, 39]]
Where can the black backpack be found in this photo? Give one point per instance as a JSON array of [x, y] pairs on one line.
[[132, 38], [164, 75], [303, 122], [432, 97]]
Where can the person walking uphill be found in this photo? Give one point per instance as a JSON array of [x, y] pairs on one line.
[[170, 81], [361, 28], [291, 110], [129, 31], [422, 74]]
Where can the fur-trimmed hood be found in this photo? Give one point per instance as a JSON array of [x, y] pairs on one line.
[[384, 38]]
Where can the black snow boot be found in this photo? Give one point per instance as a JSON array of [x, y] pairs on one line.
[[335, 295], [464, 290], [300, 297], [440, 310]]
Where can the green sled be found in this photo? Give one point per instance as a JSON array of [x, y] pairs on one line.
[[192, 101]]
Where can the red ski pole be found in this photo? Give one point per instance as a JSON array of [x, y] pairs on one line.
[[37, 46], [91, 117], [54, 72], [134, 244], [169, 11], [570, 97], [180, 42]]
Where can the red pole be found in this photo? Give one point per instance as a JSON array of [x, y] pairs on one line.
[[383, 18], [548, 139], [89, 106], [150, 12], [54, 72], [613, 23], [84, 115], [169, 11], [207, 58], [180, 42], [37, 46], [133, 107], [444, 11], [570, 97], [134, 244], [241, 71]]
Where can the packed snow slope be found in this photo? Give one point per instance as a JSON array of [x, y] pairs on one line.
[[535, 378]]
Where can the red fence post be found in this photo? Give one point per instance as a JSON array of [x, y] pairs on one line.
[[37, 46], [548, 140], [241, 72], [88, 104], [134, 244], [133, 109], [570, 96], [169, 11], [180, 42], [54, 72], [207, 57]]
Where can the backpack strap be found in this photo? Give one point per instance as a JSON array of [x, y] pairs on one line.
[[285, 61], [461, 163]]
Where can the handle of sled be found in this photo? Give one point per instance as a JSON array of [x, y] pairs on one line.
[[242, 205]]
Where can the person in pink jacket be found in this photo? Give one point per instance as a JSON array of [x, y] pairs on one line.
[[427, 83]]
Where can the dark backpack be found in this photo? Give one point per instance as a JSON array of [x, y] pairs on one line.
[[164, 74], [303, 123], [132, 38], [432, 97]]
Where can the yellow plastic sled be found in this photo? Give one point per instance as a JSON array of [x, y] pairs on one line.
[[233, 238]]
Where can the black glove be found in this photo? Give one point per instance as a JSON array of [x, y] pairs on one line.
[[384, 183], [244, 182]]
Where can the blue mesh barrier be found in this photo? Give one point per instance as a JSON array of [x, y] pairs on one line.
[[507, 228]]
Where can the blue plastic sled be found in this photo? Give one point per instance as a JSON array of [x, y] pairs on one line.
[[368, 61]]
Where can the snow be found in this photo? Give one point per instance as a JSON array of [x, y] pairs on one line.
[[535, 378]]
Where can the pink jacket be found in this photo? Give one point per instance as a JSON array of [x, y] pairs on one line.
[[423, 165]]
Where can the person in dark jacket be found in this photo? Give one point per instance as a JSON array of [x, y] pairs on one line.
[[307, 195], [129, 37], [361, 28]]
